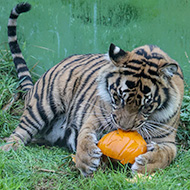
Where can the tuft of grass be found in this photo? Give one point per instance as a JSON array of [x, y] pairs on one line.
[[42, 167], [183, 135], [8, 87]]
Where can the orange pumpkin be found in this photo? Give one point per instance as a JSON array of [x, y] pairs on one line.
[[122, 145]]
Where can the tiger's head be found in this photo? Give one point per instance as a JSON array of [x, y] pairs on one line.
[[142, 85]]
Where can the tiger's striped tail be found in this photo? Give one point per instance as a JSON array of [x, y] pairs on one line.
[[18, 59]]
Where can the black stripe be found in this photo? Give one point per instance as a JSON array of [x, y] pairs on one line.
[[19, 136], [159, 100], [156, 92], [29, 94], [40, 102], [89, 76], [74, 87], [29, 123], [24, 78], [11, 31], [143, 53], [128, 73], [77, 106], [13, 16], [151, 72], [181, 76], [165, 64], [143, 75], [157, 96], [28, 84], [79, 57], [86, 107], [72, 70], [104, 114], [83, 86], [76, 135], [133, 67], [139, 62], [75, 131], [118, 81], [174, 113], [112, 86], [66, 66], [93, 102], [19, 60], [22, 69], [151, 64], [110, 75], [40, 107], [157, 56], [25, 89], [65, 139], [30, 134], [86, 81], [166, 92], [51, 91], [78, 60], [69, 78], [63, 105], [31, 113], [14, 47]]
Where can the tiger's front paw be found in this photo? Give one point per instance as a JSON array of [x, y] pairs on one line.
[[88, 161], [148, 162]]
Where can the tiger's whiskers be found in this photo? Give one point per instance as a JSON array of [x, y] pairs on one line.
[[150, 129]]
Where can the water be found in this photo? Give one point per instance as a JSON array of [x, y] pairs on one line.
[[53, 30]]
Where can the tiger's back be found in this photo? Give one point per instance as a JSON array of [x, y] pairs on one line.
[[84, 96]]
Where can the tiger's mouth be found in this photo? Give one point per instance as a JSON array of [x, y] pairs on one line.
[[126, 127]]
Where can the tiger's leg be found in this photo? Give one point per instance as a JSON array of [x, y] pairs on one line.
[[24, 132], [87, 153], [158, 156], [35, 117]]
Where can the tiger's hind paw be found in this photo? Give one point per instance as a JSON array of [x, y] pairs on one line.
[[11, 143]]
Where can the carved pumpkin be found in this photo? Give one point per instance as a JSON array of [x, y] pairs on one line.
[[122, 145]]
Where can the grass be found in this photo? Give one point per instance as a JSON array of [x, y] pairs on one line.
[[41, 167]]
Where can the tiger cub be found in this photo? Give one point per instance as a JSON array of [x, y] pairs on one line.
[[85, 96]]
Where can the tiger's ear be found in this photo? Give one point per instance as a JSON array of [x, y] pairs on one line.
[[168, 69], [117, 55]]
